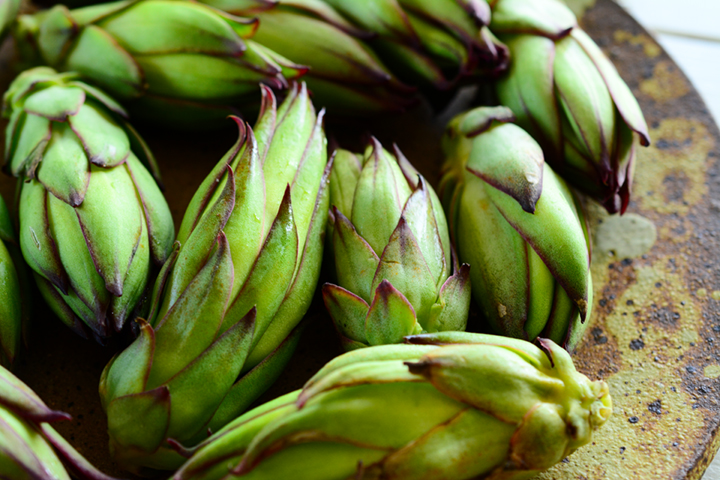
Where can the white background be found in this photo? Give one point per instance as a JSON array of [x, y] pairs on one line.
[[689, 30]]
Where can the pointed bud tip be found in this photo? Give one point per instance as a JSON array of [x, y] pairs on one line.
[[564, 32], [463, 273], [52, 416], [421, 367], [385, 287], [287, 197], [115, 288], [321, 117], [241, 125], [613, 204], [268, 101], [582, 307], [251, 315], [375, 145], [529, 207], [76, 198], [546, 346]]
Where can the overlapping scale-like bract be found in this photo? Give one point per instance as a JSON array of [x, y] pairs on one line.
[[94, 225], [345, 75], [428, 42], [357, 51], [570, 98], [227, 305], [179, 62], [395, 270], [519, 226], [14, 293], [29, 447], [454, 405]]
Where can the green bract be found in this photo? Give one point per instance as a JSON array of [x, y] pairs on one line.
[[355, 50], [454, 406], [345, 75], [569, 97], [14, 306], [8, 12], [392, 253], [29, 447], [169, 60], [93, 222], [227, 305], [519, 226], [432, 42]]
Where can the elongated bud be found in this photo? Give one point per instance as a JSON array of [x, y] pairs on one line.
[[348, 77], [429, 42], [230, 298], [94, 225], [504, 407], [576, 106], [520, 227], [394, 270], [14, 294], [188, 65]]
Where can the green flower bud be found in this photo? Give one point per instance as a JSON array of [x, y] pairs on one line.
[[14, 294], [174, 61], [29, 446], [455, 406], [93, 222], [429, 42], [394, 269], [226, 307], [519, 226], [569, 97], [355, 50], [345, 74]]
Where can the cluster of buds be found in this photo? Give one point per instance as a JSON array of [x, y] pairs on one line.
[[178, 62], [570, 98]]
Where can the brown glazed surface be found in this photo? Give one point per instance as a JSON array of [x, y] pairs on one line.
[[657, 284]]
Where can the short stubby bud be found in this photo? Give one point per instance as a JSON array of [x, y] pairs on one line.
[[94, 226], [395, 268], [520, 228]]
